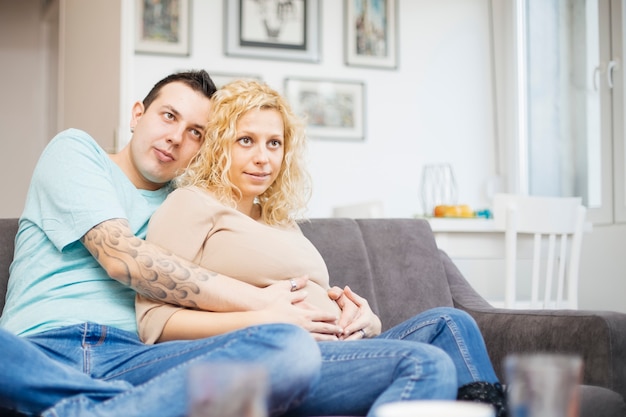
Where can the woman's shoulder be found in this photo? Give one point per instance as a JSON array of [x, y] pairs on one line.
[[191, 206], [196, 199], [193, 192]]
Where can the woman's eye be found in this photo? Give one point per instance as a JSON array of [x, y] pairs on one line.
[[196, 133], [275, 143], [245, 140]]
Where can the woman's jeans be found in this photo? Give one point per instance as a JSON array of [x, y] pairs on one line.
[[101, 371], [95, 370], [427, 357]]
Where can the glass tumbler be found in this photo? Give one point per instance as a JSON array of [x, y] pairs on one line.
[[543, 385], [227, 390]]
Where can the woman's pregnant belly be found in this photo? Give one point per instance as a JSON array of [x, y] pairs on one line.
[[318, 297]]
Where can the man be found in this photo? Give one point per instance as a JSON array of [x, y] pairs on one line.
[[80, 256]]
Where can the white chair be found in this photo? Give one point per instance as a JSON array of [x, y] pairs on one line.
[[557, 222]]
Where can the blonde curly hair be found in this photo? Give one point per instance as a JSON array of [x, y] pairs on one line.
[[287, 197]]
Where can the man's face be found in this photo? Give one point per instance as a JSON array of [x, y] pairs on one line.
[[166, 135]]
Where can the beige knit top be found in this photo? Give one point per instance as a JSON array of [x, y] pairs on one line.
[[196, 226]]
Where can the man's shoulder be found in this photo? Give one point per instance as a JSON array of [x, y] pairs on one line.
[[74, 145], [74, 137]]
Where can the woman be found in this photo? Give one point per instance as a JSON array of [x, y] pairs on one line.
[[234, 213]]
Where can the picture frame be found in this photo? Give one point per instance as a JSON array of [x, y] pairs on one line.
[[288, 31], [331, 109], [375, 47], [221, 79], [162, 27]]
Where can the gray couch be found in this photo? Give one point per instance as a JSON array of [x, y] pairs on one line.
[[396, 265]]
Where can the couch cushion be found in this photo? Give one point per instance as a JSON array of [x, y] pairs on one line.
[[391, 262], [406, 267], [600, 402], [331, 237]]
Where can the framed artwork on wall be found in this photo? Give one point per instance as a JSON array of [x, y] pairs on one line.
[[162, 27], [371, 33], [331, 109], [273, 29]]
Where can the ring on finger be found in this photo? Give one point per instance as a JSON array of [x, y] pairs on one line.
[[363, 333], [294, 286]]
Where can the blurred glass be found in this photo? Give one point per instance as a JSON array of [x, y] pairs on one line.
[[227, 390], [543, 385]]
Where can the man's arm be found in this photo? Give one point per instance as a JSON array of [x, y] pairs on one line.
[[194, 324], [161, 275]]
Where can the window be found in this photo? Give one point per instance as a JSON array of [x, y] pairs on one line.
[[568, 108]]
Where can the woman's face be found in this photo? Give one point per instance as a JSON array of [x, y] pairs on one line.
[[257, 154]]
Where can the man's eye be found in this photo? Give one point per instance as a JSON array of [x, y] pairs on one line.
[[169, 116]]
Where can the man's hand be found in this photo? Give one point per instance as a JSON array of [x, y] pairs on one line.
[[357, 318]]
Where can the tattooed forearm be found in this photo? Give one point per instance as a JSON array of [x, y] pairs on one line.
[[148, 269]]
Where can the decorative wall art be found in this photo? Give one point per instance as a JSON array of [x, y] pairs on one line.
[[273, 29], [371, 33], [331, 109], [162, 26]]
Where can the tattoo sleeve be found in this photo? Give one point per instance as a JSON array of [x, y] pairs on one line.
[[147, 268]]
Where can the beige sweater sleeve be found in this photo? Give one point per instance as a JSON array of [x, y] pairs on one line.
[[183, 235]]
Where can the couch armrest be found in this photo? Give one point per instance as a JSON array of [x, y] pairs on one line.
[[598, 336]]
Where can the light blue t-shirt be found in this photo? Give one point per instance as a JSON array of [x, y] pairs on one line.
[[54, 281]]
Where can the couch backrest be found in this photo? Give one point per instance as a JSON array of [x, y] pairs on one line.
[[8, 229], [394, 263]]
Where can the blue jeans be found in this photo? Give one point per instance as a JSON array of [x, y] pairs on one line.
[[95, 370], [427, 357]]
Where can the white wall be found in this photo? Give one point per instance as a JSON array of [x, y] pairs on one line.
[[436, 107], [23, 100], [602, 284]]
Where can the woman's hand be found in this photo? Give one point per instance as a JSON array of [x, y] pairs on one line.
[[292, 288], [293, 309], [286, 303], [357, 318], [349, 310]]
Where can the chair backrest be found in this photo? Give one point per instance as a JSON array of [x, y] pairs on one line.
[[556, 227]]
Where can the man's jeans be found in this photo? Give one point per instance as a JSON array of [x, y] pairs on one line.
[[426, 357], [95, 370]]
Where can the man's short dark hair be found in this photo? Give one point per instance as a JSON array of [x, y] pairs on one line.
[[199, 81]]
